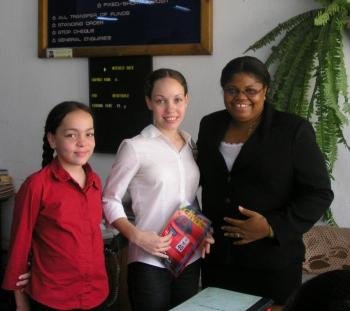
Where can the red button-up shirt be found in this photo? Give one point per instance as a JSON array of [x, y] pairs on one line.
[[59, 224]]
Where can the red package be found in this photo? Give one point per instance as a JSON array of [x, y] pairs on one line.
[[188, 227]]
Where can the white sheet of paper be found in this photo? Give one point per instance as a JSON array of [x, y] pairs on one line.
[[212, 298]]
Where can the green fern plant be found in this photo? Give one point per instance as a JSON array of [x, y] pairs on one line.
[[309, 73]]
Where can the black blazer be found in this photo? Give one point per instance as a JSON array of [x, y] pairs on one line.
[[279, 172]]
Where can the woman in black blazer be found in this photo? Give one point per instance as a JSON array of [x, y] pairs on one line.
[[264, 183]]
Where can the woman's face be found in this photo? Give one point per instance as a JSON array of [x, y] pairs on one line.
[[168, 103], [244, 97]]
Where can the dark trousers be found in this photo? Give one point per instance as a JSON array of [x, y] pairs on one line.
[[36, 306], [275, 284], [156, 289]]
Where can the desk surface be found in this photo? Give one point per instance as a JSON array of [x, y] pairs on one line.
[[212, 298]]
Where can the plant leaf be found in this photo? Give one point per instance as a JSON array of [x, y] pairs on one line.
[[283, 27]]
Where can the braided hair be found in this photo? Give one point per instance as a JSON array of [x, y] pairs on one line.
[[53, 121]]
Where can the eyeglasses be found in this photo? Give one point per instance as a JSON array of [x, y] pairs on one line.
[[249, 92]]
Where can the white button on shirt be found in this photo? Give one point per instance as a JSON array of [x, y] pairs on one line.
[[158, 179]]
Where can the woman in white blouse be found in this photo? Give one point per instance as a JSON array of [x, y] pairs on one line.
[[159, 172]]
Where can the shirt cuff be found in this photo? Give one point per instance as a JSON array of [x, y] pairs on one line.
[[113, 212]]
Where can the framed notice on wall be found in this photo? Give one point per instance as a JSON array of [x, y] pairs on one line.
[[117, 100], [94, 28]]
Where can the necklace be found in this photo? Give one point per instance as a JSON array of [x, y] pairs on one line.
[[252, 126], [240, 133]]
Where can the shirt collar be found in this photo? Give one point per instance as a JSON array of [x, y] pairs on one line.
[[61, 174], [152, 132]]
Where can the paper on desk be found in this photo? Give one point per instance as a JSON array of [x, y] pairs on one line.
[[212, 298]]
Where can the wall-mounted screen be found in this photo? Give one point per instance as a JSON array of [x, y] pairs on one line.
[[117, 98], [94, 28]]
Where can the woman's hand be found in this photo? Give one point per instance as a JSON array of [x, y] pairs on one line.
[[254, 228], [205, 246], [24, 279], [149, 241], [152, 243]]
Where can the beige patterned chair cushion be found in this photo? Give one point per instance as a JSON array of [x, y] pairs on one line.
[[327, 248]]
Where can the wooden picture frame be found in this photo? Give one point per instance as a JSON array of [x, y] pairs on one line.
[[46, 49]]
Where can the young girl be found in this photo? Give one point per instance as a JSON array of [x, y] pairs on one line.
[[157, 168], [56, 222]]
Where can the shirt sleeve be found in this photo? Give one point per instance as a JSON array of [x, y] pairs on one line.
[[123, 170], [26, 210]]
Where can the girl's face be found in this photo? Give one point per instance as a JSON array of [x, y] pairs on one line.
[[168, 103], [244, 97], [74, 139]]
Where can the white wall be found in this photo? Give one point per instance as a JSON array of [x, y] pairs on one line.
[[30, 87]]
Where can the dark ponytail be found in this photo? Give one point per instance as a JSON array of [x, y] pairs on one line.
[[47, 152], [53, 121]]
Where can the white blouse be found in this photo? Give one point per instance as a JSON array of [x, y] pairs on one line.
[[158, 179], [230, 153]]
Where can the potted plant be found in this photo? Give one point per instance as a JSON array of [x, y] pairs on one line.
[[309, 73]]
